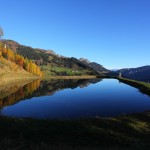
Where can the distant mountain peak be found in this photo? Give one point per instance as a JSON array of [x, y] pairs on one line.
[[140, 73], [50, 52], [84, 60], [97, 67]]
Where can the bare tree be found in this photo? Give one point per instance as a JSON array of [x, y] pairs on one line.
[[1, 33]]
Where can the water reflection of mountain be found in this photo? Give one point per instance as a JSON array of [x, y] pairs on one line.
[[49, 87], [16, 93]]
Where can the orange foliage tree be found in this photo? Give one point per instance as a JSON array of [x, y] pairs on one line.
[[24, 63]]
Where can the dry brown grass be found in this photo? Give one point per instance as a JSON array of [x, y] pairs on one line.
[[71, 77], [9, 77]]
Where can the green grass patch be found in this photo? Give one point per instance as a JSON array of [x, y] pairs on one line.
[[61, 71], [142, 86]]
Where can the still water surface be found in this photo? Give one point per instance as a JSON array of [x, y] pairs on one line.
[[69, 99]]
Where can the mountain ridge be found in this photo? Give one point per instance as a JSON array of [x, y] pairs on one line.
[[51, 63], [97, 67], [139, 73]]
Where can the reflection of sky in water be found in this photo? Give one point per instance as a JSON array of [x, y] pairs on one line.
[[105, 98]]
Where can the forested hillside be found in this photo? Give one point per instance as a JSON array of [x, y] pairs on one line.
[[11, 61], [51, 63]]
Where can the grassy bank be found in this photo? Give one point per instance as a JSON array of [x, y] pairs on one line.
[[10, 77], [142, 86], [71, 77], [125, 132]]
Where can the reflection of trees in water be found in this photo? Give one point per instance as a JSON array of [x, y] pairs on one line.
[[49, 87], [41, 88], [21, 93]]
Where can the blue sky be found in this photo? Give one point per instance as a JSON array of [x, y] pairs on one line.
[[114, 33]]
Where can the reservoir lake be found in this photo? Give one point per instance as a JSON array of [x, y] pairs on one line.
[[72, 99]]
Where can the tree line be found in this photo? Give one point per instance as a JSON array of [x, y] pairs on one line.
[[24, 63]]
